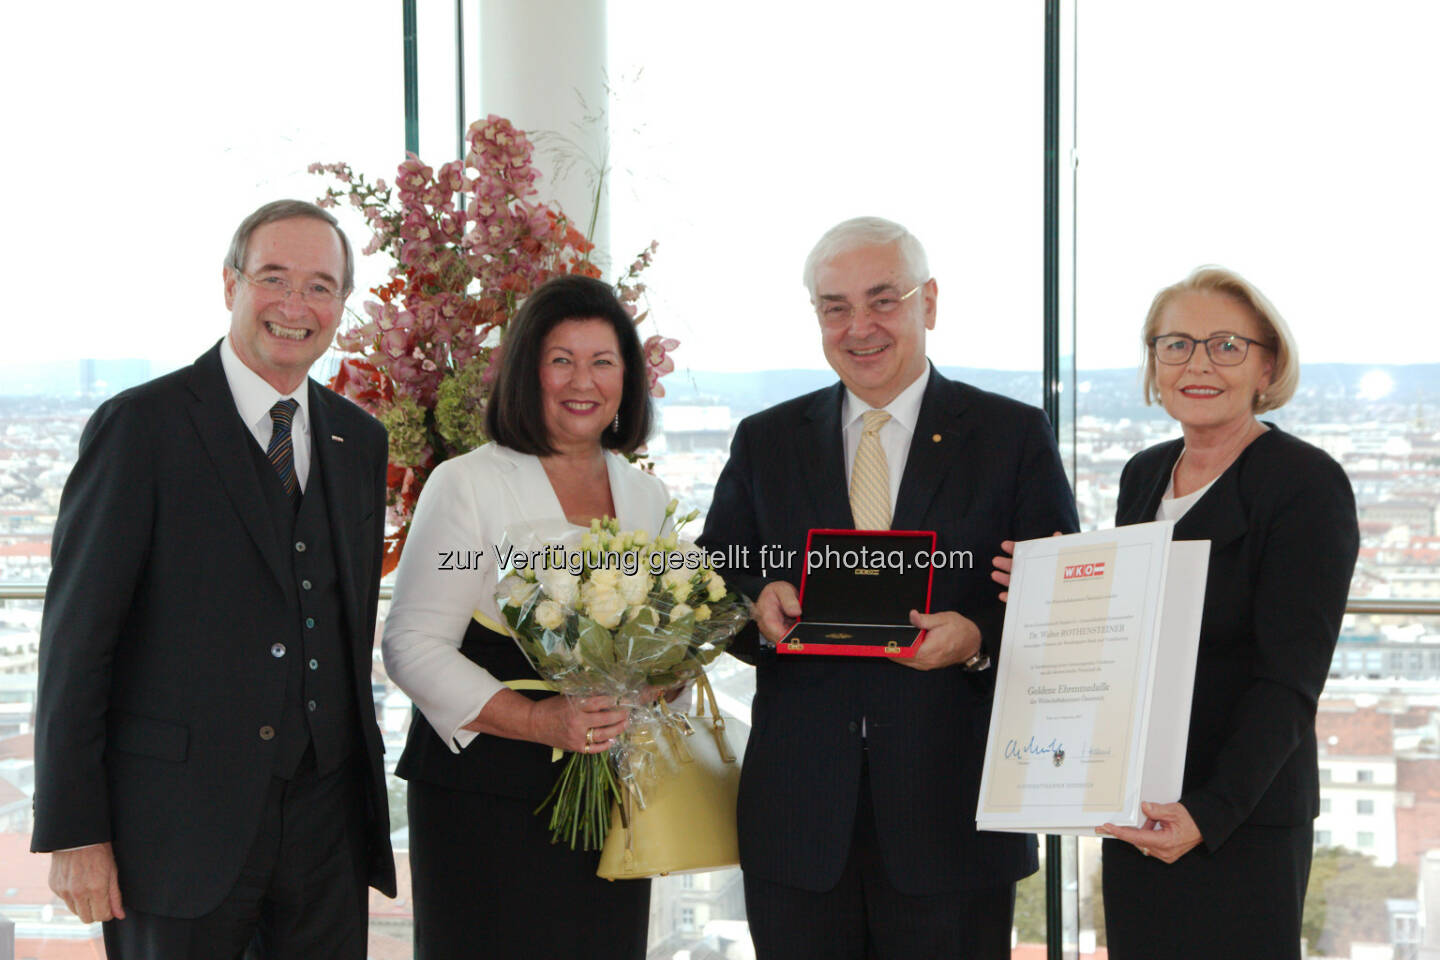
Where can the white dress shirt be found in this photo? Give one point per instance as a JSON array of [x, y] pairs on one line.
[[895, 435], [254, 398], [475, 502]]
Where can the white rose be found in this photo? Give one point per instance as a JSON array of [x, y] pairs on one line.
[[677, 582], [702, 613], [605, 607], [715, 586], [634, 587], [607, 577], [679, 610], [560, 585], [549, 614], [517, 590]]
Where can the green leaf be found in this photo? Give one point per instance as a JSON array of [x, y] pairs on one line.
[[594, 643]]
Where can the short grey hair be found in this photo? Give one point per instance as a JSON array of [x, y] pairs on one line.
[[866, 232], [287, 210]]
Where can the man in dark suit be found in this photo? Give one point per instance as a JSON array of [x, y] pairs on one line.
[[857, 800], [208, 770]]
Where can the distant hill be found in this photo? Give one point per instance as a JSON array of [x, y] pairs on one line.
[[1328, 391], [1335, 392]]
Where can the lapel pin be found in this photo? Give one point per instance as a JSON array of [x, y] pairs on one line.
[[337, 439], [935, 438]]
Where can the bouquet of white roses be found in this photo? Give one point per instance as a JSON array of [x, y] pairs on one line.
[[615, 613]]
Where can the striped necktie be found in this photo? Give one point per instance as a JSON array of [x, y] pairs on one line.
[[870, 479], [281, 452]]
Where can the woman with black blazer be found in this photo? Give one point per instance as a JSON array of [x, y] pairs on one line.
[[1222, 872]]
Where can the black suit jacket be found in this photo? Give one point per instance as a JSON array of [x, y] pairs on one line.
[[981, 469], [168, 587], [1283, 540]]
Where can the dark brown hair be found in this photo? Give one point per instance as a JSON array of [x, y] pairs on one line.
[[515, 414]]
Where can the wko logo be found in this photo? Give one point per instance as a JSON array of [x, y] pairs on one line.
[[1082, 571]]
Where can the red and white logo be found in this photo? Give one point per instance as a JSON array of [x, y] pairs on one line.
[[1084, 571]]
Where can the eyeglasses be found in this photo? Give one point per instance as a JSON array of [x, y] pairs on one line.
[[837, 312], [1225, 350], [315, 293]]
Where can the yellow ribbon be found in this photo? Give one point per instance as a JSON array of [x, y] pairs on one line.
[[555, 752], [494, 627]]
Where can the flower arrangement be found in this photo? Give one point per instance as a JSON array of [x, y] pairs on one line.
[[468, 241], [623, 615]]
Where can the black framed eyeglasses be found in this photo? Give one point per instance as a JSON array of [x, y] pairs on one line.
[[1225, 349]]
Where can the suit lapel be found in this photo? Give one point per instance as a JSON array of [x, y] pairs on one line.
[[525, 480], [627, 488], [821, 458], [1218, 516], [935, 446], [338, 466], [225, 440], [1142, 508]]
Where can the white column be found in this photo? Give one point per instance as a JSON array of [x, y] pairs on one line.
[[542, 66]]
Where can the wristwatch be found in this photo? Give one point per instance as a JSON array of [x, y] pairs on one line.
[[981, 661]]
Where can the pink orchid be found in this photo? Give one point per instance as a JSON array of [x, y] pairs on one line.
[[394, 343], [657, 362]]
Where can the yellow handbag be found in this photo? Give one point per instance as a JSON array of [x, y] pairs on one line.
[[685, 821]]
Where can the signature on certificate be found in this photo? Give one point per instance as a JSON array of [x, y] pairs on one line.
[[1015, 750]]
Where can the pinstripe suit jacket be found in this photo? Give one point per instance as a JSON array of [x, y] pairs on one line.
[[981, 469]]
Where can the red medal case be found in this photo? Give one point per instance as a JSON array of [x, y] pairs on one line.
[[856, 599]]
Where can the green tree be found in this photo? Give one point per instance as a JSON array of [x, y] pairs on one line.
[[1030, 907], [399, 816], [1346, 900], [1092, 908]]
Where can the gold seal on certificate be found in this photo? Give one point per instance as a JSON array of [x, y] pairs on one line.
[[1092, 691]]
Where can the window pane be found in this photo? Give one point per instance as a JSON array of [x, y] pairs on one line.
[[162, 126], [1250, 140], [737, 165]]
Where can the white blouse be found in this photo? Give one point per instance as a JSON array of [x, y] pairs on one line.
[[471, 505], [1173, 507]]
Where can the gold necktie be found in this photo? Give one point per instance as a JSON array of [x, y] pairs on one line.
[[870, 480]]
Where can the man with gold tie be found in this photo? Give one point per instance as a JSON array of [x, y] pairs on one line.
[[857, 800]]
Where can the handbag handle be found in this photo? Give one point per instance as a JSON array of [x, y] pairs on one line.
[[707, 693], [717, 722]]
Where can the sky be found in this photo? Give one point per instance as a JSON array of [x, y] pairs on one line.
[[1294, 143]]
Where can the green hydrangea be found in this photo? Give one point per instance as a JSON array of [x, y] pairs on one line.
[[460, 407], [406, 422]]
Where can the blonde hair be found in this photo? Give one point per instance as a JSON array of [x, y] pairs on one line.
[[1274, 332]]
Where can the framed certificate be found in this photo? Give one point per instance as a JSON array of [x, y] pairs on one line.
[[1093, 685]]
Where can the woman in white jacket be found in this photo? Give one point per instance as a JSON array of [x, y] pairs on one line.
[[571, 397]]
